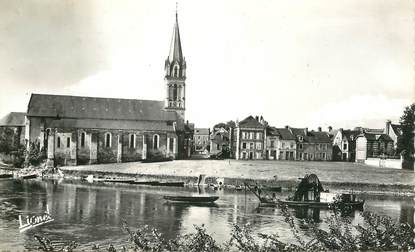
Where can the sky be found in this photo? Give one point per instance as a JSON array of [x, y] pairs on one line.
[[300, 63]]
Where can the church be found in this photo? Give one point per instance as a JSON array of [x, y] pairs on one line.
[[77, 130]]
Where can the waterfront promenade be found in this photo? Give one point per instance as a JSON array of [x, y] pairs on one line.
[[331, 172]]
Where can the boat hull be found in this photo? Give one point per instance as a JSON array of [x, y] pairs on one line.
[[312, 204], [192, 199]]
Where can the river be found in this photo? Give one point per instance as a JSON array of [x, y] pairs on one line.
[[93, 213]]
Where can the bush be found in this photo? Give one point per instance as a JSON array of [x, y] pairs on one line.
[[34, 155], [378, 233], [157, 156]]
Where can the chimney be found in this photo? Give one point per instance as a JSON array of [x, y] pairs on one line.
[[319, 129], [341, 130], [187, 122], [257, 118], [287, 127], [330, 128], [305, 131], [387, 126]]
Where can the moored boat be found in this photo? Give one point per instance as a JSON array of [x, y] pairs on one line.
[[192, 199], [310, 193], [6, 175], [126, 181], [28, 176]]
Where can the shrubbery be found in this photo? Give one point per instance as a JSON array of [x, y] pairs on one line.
[[34, 155], [378, 233]]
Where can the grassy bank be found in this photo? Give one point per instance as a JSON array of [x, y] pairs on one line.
[[341, 175]]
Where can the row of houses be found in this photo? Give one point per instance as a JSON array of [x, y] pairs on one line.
[[254, 139]]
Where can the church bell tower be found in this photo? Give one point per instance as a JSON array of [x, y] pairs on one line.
[[175, 69]]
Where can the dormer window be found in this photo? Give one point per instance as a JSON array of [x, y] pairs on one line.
[[300, 138]]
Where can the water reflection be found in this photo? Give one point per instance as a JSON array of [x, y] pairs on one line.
[[93, 213]]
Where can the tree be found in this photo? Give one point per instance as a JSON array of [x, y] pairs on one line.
[[406, 141], [6, 140]]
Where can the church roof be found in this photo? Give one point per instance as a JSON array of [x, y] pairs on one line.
[[111, 124], [13, 119], [79, 107], [176, 45]]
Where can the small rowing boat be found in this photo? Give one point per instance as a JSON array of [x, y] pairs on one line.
[[6, 176], [312, 204], [126, 181], [28, 176], [192, 199]]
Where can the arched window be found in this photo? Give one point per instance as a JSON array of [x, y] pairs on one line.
[[107, 140], [58, 144], [174, 92], [176, 71], [132, 141], [68, 142], [156, 140], [83, 139]]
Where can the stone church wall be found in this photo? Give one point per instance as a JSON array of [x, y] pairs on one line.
[[107, 154]]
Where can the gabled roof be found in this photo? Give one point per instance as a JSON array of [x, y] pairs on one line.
[[202, 131], [64, 106], [351, 135], [272, 131], [397, 128], [13, 119], [286, 134], [376, 137], [250, 122], [318, 137], [175, 53], [298, 132]]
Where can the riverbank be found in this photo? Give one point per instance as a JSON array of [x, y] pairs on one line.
[[344, 176]]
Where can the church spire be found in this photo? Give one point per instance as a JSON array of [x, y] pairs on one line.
[[176, 46], [175, 77]]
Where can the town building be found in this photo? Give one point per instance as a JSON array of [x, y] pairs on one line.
[[373, 145], [344, 145], [201, 140], [287, 147], [15, 123], [312, 145], [273, 141], [87, 130], [251, 138], [219, 140], [394, 131]]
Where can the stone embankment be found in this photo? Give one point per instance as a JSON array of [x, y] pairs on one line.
[[338, 175]]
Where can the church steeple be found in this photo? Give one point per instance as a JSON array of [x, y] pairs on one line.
[[176, 45], [175, 74]]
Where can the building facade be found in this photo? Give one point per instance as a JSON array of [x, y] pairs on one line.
[[313, 145], [373, 145], [394, 131], [14, 123], [344, 145], [251, 139], [201, 140], [219, 140], [86, 130]]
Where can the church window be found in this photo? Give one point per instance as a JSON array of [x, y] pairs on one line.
[[174, 92], [68, 142], [58, 142], [171, 145], [132, 141], [176, 71], [107, 140], [156, 140], [83, 139]]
